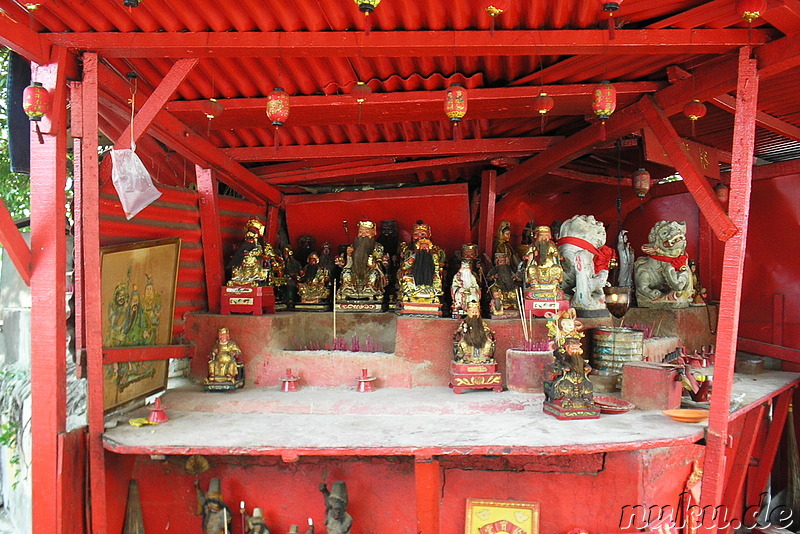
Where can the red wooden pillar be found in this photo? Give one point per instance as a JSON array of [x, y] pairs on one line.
[[48, 312], [271, 231], [89, 199], [428, 481], [732, 271], [486, 217], [211, 237]]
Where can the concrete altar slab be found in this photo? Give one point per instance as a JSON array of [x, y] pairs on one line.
[[391, 422]]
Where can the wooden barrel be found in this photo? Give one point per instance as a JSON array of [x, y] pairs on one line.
[[614, 347]]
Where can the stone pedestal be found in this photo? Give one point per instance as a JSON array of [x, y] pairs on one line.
[[527, 370]]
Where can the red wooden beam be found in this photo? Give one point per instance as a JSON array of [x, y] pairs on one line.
[[48, 291], [739, 460], [428, 483], [762, 348], [411, 44], [155, 102], [18, 249], [88, 196], [385, 170], [592, 178], [694, 179], [732, 274], [17, 36], [55, 119], [296, 168], [500, 146], [766, 121], [484, 103], [778, 56], [211, 236], [487, 211], [146, 354]]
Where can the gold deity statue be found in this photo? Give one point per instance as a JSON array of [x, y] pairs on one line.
[[225, 368]]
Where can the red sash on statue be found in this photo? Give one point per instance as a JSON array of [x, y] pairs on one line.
[[602, 257], [679, 263]]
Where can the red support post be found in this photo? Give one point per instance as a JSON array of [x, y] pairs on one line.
[[92, 309], [14, 243], [48, 312], [211, 238], [428, 481], [732, 273], [487, 209], [739, 459], [271, 230]]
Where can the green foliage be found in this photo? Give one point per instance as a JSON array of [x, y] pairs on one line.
[[15, 189], [14, 388]]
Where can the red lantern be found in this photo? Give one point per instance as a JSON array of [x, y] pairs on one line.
[[542, 104], [211, 108], [604, 105], [641, 182], [35, 101], [455, 105], [722, 191], [360, 92], [367, 7], [750, 10], [278, 110], [694, 111], [610, 6]]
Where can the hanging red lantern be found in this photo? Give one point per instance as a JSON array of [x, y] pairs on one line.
[[610, 6], [35, 101], [278, 110], [367, 7], [604, 105], [360, 92], [641, 182], [211, 108], [722, 191], [455, 105], [543, 104], [750, 10], [694, 111]]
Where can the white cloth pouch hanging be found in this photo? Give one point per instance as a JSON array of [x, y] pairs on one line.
[[132, 181]]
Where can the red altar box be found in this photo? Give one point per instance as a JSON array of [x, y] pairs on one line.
[[652, 386], [465, 376], [244, 299]]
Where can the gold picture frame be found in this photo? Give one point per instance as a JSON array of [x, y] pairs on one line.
[[138, 286], [501, 517]]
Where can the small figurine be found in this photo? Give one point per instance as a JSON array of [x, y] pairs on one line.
[[466, 283], [473, 341], [543, 275], [225, 367], [217, 517], [502, 243], [421, 273], [390, 240], [305, 247], [313, 283], [337, 519], [254, 524], [246, 265], [699, 293], [363, 270], [625, 252], [663, 277], [503, 286], [586, 261], [568, 393]]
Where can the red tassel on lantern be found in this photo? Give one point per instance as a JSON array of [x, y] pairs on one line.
[[610, 6], [641, 182], [543, 104], [367, 7], [455, 106], [604, 105], [360, 92], [36, 103], [694, 111], [278, 110]]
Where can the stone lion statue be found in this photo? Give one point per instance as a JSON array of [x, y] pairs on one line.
[[663, 278], [582, 245]]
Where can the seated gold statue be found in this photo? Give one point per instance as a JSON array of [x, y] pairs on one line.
[[247, 263], [420, 275], [313, 282], [474, 341], [224, 365], [543, 272], [362, 266]]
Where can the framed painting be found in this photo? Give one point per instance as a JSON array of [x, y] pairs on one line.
[[502, 517], [138, 284]]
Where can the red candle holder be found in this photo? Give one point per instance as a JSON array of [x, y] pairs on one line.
[[365, 382], [157, 413], [289, 382]]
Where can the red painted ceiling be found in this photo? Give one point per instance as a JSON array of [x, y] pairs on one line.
[[317, 50]]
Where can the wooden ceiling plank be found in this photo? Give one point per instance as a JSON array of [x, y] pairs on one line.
[[155, 102], [695, 182], [412, 44], [494, 147], [25, 42], [785, 16], [269, 174]]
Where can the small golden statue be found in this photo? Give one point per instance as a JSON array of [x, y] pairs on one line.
[[466, 281], [362, 268], [543, 272], [421, 273], [473, 341], [225, 367], [313, 282], [246, 265]]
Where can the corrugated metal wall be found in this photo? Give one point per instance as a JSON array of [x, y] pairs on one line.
[[176, 214]]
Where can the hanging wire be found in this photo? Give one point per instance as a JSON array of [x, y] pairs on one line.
[[619, 185], [132, 101]]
